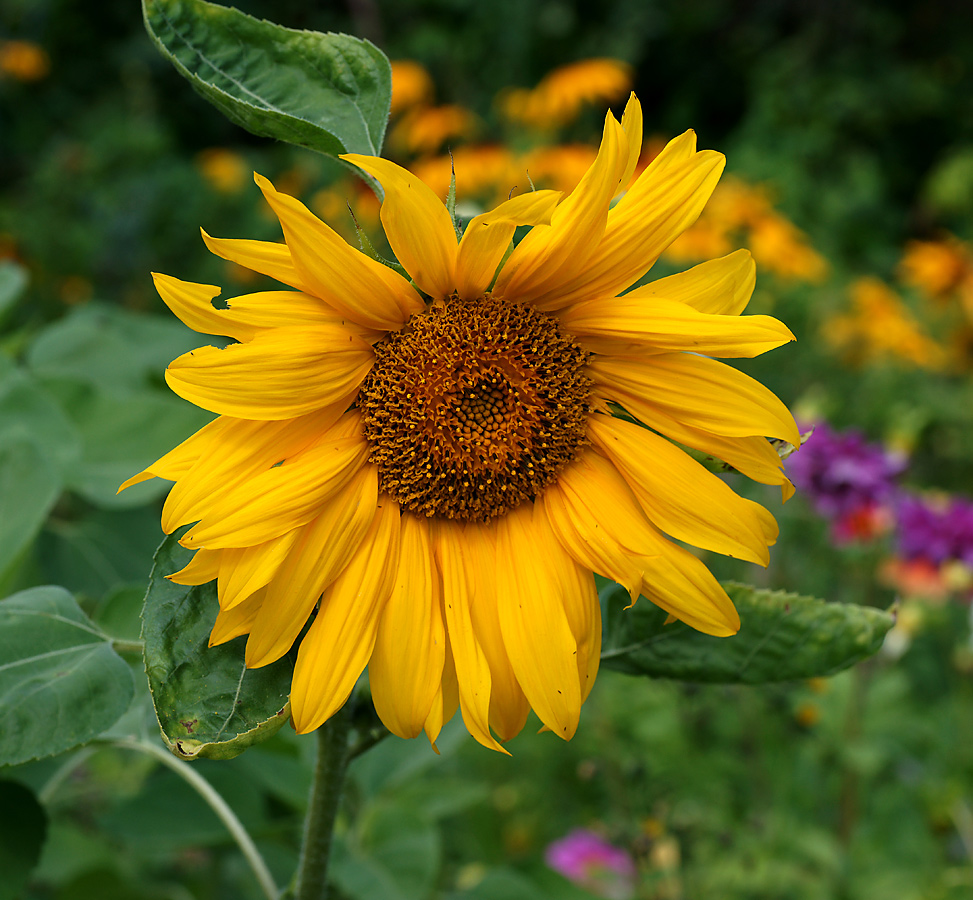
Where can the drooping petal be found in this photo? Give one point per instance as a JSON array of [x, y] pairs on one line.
[[266, 257], [281, 373], [635, 324], [405, 672], [472, 668], [201, 569], [681, 497], [551, 255], [718, 286], [416, 223], [180, 460], [364, 290], [662, 204], [533, 620], [231, 623], [244, 570], [446, 701], [322, 550], [700, 392], [282, 498], [339, 642], [488, 235], [583, 610]]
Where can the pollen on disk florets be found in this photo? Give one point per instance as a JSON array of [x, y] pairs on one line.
[[473, 407]]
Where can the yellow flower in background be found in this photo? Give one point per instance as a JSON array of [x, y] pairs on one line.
[[225, 170], [780, 247], [880, 327], [425, 129], [936, 268], [24, 60], [438, 467], [411, 85], [565, 91]]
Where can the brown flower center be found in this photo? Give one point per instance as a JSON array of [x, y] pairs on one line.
[[473, 407]]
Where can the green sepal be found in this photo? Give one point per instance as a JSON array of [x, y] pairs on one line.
[[782, 637], [61, 682], [327, 92], [208, 703], [369, 249]]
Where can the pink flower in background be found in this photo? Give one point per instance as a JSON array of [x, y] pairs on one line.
[[591, 862]]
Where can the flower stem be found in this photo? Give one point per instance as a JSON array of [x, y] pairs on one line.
[[329, 776]]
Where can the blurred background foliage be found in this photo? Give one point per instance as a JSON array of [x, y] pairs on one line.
[[849, 134]]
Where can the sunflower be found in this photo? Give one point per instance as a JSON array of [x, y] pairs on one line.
[[434, 468]]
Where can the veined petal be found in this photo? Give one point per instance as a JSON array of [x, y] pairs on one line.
[[633, 325], [683, 586], [472, 668], [245, 448], [281, 373], [718, 286], [488, 235], [697, 391], [179, 461], [508, 704], [266, 257], [405, 672], [551, 255], [244, 570], [416, 223], [661, 205], [681, 497], [364, 290], [339, 642], [202, 568], [533, 621], [231, 623], [322, 550], [282, 498]]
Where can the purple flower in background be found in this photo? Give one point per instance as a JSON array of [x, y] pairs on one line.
[[935, 531], [848, 480], [591, 862]]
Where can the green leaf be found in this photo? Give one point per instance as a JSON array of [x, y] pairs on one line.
[[61, 683], [29, 487], [207, 701], [13, 280], [23, 828], [327, 92], [782, 637]]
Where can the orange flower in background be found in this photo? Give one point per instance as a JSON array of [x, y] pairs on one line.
[[24, 60], [411, 85], [431, 469], [225, 170], [484, 172], [425, 129], [565, 91], [936, 268], [880, 327]]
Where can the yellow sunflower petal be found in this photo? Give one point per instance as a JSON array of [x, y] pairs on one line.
[[533, 621], [718, 286], [416, 223], [661, 205], [405, 672], [177, 462], [699, 392], [244, 570], [192, 304], [231, 623], [446, 702], [364, 290], [266, 257], [634, 324], [252, 313], [336, 648], [202, 568], [281, 373], [322, 550], [632, 126], [680, 496], [280, 499], [583, 610], [472, 668], [551, 255], [488, 235]]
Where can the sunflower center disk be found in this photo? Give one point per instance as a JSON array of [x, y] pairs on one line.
[[473, 407]]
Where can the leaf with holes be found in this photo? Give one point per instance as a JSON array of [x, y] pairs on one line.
[[207, 701], [782, 637], [327, 92], [61, 683]]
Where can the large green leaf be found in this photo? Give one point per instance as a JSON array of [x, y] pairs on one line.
[[23, 828], [207, 701], [29, 486], [782, 637], [61, 683], [326, 92]]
